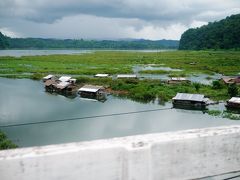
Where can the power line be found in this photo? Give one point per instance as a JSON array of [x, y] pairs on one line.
[[233, 177], [86, 117]]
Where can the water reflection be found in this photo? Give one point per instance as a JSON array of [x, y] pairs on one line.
[[25, 101]]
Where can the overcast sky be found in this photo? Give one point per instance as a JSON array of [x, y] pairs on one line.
[[109, 19]]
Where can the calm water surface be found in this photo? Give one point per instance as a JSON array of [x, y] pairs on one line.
[[19, 53], [24, 100]]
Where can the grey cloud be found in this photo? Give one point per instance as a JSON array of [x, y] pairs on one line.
[[152, 19], [171, 10]]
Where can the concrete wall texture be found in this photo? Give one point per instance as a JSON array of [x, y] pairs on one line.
[[187, 154]]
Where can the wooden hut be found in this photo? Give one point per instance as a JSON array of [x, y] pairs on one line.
[[127, 76], [64, 78], [50, 85], [63, 87], [183, 100], [101, 75], [92, 91], [178, 80], [48, 77], [234, 102], [231, 80]]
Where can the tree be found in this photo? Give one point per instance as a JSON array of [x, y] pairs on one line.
[[197, 86], [5, 143], [233, 90], [216, 84], [3, 41], [223, 34]]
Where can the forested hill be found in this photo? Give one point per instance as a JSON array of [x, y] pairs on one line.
[[39, 43], [224, 34], [3, 41]]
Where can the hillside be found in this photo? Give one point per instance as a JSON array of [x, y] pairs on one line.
[[40, 43], [224, 34], [3, 41]]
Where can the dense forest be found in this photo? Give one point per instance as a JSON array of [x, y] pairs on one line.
[[4, 43], [224, 34], [39, 43]]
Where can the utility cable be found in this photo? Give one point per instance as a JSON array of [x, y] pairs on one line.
[[86, 117]]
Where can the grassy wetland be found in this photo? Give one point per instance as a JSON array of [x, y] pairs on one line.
[[84, 66]]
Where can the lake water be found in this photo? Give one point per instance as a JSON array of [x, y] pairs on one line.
[[19, 53], [24, 100], [198, 78]]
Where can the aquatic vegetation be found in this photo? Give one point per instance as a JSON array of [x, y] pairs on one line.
[[154, 72], [114, 62], [231, 115], [5, 143], [214, 112]]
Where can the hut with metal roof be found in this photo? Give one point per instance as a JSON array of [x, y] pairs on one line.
[[234, 102], [64, 78], [48, 77], [92, 91], [127, 76], [50, 85], [101, 75], [189, 100], [178, 80], [231, 80]]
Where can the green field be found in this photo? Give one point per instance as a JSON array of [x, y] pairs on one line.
[[225, 62], [115, 62]]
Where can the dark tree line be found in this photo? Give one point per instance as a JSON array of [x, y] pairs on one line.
[[3, 41], [40, 43], [224, 34]]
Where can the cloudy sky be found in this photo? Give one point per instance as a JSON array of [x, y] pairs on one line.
[[109, 19]]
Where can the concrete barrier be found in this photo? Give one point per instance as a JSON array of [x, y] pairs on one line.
[[187, 154]]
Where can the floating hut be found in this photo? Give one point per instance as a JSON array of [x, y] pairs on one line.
[[64, 78], [189, 100], [231, 80], [50, 85], [177, 80], [72, 81], [48, 77], [101, 75], [127, 76], [92, 91], [63, 85], [234, 102]]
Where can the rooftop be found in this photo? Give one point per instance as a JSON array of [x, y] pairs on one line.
[[127, 76], [64, 78], [48, 76], [234, 100], [189, 97], [101, 75], [90, 88]]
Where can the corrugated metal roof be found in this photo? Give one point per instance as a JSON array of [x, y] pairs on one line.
[[62, 85], [64, 78], [126, 76], [101, 75], [178, 79], [90, 88], [235, 100], [189, 97], [49, 82], [48, 76]]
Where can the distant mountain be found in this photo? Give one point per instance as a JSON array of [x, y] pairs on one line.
[[3, 41], [224, 34], [40, 43]]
